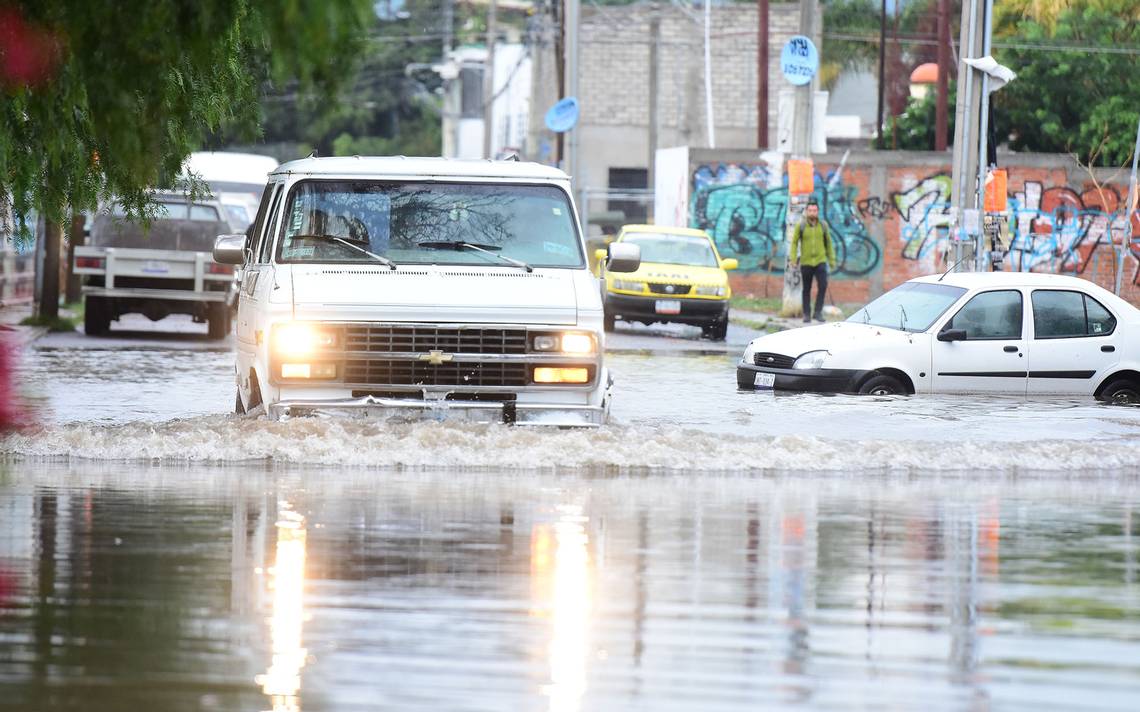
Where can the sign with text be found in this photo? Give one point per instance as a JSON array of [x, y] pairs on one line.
[[799, 61]]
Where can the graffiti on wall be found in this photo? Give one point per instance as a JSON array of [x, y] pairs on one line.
[[745, 212], [1053, 229]]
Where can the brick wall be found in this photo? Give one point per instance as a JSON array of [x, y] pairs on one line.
[[885, 210]]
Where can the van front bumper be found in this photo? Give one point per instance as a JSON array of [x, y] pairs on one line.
[[461, 411], [814, 380]]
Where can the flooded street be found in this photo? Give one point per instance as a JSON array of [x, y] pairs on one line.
[[707, 550]]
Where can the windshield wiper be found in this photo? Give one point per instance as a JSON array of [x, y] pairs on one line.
[[345, 243], [903, 320], [491, 250]]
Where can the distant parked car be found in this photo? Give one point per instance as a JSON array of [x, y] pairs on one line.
[[992, 332], [682, 279]]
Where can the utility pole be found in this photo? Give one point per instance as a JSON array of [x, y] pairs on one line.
[[1126, 238], [963, 182], [802, 129], [762, 77], [882, 67], [941, 101], [708, 76], [573, 19], [983, 137], [489, 83], [654, 89]]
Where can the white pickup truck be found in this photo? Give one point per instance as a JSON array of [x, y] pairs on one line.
[[423, 287], [166, 269]]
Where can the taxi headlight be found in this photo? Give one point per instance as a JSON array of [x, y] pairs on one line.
[[628, 285], [812, 359], [299, 339], [707, 291]]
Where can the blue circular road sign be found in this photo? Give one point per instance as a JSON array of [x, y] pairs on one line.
[[563, 115], [799, 61]]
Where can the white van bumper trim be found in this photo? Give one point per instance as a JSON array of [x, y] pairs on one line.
[[462, 411]]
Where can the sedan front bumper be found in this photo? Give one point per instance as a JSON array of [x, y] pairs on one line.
[[814, 380]]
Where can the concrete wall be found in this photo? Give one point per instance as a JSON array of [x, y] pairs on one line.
[[884, 209], [614, 81]]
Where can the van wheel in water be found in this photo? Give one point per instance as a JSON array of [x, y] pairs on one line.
[[882, 385], [1122, 391], [96, 316]]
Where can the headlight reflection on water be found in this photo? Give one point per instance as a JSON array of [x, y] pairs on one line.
[[282, 681], [561, 576]]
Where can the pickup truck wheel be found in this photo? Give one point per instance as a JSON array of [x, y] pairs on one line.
[[608, 322], [883, 385], [239, 409], [96, 316], [219, 320]]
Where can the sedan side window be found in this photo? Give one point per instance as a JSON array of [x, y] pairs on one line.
[[991, 315], [1062, 314]]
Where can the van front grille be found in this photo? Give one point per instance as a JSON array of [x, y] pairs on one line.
[[424, 339], [393, 372]]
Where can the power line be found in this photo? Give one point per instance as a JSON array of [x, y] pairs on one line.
[[1031, 46]]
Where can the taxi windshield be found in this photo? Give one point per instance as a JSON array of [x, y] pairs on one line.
[[671, 249], [429, 223]]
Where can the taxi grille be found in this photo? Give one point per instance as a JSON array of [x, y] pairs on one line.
[[678, 289], [385, 372], [771, 360], [423, 339]]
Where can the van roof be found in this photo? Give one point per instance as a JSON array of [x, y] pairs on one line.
[[406, 167]]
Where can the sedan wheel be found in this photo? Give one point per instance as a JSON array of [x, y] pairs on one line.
[[1121, 392], [883, 385]]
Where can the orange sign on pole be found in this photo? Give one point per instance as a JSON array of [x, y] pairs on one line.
[[801, 177], [997, 195]]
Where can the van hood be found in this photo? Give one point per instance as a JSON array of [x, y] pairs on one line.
[[834, 337], [431, 293]]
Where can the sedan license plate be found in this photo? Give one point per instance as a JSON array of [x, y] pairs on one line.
[[155, 267], [765, 380], [668, 306]]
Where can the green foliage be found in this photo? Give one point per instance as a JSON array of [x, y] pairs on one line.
[[137, 85], [849, 17], [913, 130], [1075, 102]]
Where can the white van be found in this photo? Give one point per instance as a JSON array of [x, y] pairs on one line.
[[420, 286]]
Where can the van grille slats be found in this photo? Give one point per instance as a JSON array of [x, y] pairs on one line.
[[771, 360], [421, 373], [423, 339]]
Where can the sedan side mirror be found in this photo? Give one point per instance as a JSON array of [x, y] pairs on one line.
[[229, 249], [623, 257], [730, 263], [952, 335]]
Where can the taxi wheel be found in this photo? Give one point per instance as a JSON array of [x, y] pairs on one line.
[[716, 331], [882, 385], [1121, 392], [608, 322]]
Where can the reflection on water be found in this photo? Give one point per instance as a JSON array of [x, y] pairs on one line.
[[188, 590], [282, 682]]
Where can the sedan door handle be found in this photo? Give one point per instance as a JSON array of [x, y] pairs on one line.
[[1108, 349], [1010, 349]]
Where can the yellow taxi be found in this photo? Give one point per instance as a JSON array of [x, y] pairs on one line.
[[682, 279]]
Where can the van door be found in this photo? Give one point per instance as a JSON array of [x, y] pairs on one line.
[[259, 256], [1074, 342], [994, 356]]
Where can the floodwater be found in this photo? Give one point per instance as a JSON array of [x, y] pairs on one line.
[[708, 550]]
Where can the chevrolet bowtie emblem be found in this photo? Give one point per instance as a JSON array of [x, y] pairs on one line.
[[436, 358]]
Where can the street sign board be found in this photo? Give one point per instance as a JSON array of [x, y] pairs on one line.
[[563, 115], [799, 61]]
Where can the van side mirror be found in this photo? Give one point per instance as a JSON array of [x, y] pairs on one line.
[[623, 257], [730, 263], [230, 249], [952, 335]]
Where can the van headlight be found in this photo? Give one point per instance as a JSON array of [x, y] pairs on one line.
[[301, 339], [707, 291], [575, 343], [812, 359], [629, 285]]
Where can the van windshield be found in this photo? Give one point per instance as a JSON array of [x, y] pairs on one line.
[[429, 223]]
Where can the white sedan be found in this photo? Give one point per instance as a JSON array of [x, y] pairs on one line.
[[976, 332]]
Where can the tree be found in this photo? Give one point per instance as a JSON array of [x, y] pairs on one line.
[[119, 93]]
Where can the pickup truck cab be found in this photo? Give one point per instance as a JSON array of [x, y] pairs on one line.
[[422, 287], [157, 270]]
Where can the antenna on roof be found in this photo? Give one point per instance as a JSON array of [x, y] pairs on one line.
[[512, 156], [313, 154], [952, 268]]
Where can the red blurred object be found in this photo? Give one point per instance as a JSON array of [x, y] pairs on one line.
[[12, 415], [215, 268], [28, 54], [89, 262]]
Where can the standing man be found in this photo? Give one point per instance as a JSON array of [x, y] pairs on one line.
[[813, 239]]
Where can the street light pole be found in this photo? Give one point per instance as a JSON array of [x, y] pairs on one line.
[[489, 83]]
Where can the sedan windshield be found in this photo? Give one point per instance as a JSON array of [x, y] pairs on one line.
[[673, 249], [429, 223], [911, 306]]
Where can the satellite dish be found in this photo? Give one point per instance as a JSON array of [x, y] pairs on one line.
[[562, 116]]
